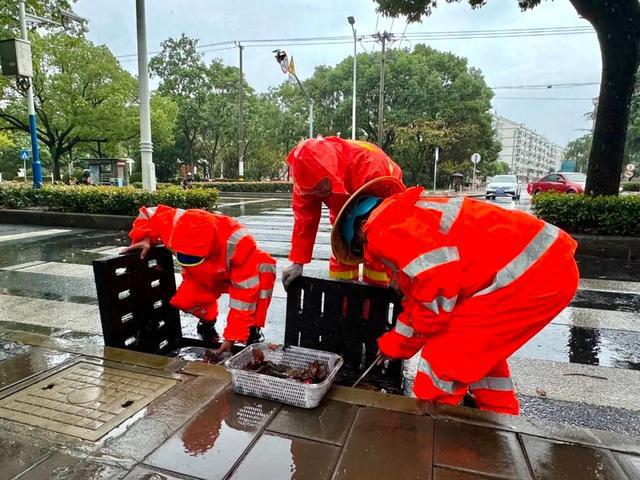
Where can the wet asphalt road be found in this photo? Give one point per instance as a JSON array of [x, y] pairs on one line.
[[601, 329]]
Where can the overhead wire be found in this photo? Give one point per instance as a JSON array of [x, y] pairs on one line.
[[430, 36]]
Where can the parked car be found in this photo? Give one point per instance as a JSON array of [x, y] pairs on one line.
[[503, 186], [561, 182]]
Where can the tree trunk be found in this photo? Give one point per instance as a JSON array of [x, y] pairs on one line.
[[617, 24]]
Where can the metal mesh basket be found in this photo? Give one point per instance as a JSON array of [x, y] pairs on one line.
[[283, 390]]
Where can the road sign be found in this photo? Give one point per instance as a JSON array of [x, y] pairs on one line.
[[630, 167], [24, 154], [629, 173], [475, 158]]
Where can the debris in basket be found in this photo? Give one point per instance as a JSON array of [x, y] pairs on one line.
[[315, 372]]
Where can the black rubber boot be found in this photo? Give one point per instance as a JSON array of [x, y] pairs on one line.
[[207, 330], [255, 335]]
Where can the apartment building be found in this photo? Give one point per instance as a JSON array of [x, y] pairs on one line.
[[529, 154]]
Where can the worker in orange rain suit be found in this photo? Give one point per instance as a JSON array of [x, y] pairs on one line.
[[478, 282], [328, 170], [218, 255]]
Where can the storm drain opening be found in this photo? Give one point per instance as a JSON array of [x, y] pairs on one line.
[[84, 400]]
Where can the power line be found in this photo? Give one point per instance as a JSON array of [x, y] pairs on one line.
[[543, 98], [432, 36], [546, 86]]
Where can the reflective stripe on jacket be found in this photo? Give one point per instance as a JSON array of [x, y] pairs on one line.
[[441, 251], [233, 263]]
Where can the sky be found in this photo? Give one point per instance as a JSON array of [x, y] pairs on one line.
[[557, 113]]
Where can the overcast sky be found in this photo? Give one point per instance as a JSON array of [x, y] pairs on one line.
[[559, 114]]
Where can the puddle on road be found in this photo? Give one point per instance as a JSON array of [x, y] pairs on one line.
[[590, 346]]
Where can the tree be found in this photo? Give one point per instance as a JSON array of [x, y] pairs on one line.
[[578, 151], [183, 77], [432, 99], [617, 24], [82, 95], [44, 8]]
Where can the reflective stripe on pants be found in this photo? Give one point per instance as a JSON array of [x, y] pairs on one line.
[[240, 305]]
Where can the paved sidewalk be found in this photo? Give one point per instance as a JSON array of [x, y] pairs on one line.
[[196, 427]]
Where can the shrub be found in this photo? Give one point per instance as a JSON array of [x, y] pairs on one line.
[[631, 187], [608, 215], [135, 177], [103, 200], [247, 187]]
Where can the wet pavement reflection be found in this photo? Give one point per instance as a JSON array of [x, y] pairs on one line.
[[211, 443], [590, 346], [287, 458]]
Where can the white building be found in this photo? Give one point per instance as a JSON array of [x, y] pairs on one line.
[[529, 154]]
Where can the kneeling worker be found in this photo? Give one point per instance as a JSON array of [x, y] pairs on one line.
[[218, 255], [478, 282]]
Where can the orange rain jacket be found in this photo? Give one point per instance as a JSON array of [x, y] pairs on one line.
[[478, 281], [347, 164], [232, 263]]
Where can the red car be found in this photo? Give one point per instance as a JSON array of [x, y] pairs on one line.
[[561, 182]]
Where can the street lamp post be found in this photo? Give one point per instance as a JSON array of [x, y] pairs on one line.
[[36, 166], [352, 22], [283, 60], [146, 145]]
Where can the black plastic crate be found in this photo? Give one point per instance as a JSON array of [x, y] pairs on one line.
[[133, 296], [344, 318]]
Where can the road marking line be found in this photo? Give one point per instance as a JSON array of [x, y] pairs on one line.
[[38, 233]]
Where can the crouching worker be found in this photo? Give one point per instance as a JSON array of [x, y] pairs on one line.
[[478, 281], [218, 255]]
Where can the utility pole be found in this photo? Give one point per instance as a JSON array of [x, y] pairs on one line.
[[435, 168], [383, 38], [146, 146], [36, 166], [352, 22], [241, 119]]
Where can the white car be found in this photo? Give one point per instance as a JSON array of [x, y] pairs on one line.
[[503, 186]]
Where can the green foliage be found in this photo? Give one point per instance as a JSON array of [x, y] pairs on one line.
[[81, 94], [432, 99], [603, 215], [135, 177], [103, 200], [414, 10], [578, 151], [266, 187], [631, 187]]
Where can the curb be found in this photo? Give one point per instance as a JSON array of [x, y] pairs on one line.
[[60, 219]]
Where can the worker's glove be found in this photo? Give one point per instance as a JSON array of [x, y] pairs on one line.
[[290, 273]]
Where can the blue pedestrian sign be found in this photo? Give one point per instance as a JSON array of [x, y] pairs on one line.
[[24, 154]]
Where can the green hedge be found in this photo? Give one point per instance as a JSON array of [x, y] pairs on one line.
[[247, 187], [590, 215], [631, 187], [104, 200]]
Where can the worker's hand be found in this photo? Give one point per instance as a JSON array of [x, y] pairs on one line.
[[144, 245], [383, 358], [290, 273], [225, 347]]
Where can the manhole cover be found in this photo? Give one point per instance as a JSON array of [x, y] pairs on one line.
[[84, 400]]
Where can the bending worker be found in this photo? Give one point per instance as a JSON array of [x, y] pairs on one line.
[[328, 170], [478, 281], [218, 256]]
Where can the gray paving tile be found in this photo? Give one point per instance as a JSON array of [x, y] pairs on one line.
[[561, 461], [210, 444], [385, 444], [279, 457], [479, 450], [330, 422]]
